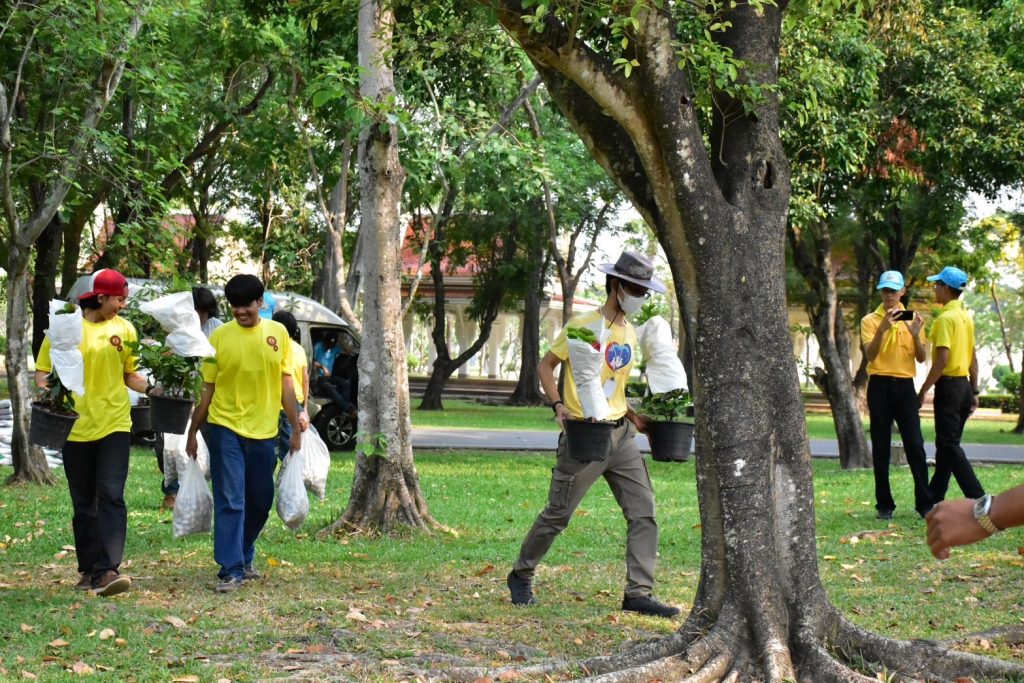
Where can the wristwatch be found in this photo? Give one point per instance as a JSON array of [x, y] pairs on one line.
[[982, 507]]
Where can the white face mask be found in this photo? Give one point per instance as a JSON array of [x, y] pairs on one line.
[[630, 304]]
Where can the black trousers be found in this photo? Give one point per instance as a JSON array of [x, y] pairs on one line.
[[894, 398], [96, 473], [953, 399]]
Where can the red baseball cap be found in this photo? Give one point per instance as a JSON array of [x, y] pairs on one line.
[[106, 281]]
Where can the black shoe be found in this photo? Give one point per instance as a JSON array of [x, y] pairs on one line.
[[250, 572], [884, 514], [522, 591], [229, 584], [649, 605]]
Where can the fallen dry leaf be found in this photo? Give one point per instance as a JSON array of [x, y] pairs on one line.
[[185, 679], [80, 668], [356, 615], [487, 569], [107, 634], [25, 628], [60, 642], [174, 621], [510, 676], [29, 675]]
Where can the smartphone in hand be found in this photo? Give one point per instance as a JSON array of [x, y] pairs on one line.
[[905, 314]]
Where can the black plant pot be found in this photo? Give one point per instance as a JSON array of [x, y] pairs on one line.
[[588, 441], [50, 429], [670, 441], [168, 414], [141, 420]]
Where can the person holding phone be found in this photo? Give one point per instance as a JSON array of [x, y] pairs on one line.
[[954, 374], [893, 343]]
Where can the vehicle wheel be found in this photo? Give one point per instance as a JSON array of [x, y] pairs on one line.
[[336, 428]]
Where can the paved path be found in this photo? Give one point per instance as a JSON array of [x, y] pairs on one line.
[[496, 440]]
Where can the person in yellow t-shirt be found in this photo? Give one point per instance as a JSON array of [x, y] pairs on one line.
[[245, 386], [300, 380], [893, 347], [96, 454], [954, 374], [628, 284]]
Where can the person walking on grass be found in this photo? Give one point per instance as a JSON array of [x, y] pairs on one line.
[[245, 386], [629, 281], [893, 346], [954, 374], [96, 453], [300, 381]]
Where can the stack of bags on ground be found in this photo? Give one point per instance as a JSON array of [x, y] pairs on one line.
[[53, 458]]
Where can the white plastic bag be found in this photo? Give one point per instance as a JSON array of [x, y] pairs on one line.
[[65, 335], [664, 369], [176, 459], [193, 508], [586, 363], [177, 315], [292, 501], [317, 462]]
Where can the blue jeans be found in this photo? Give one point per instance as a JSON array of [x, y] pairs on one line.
[[242, 471]]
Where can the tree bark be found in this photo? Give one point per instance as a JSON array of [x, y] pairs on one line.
[[385, 494], [44, 278], [720, 214]]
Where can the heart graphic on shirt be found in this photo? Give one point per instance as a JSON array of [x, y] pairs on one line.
[[617, 355]]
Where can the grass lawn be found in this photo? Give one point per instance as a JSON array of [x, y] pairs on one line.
[[342, 607], [471, 415]]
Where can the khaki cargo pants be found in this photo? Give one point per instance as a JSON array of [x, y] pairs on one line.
[[626, 474]]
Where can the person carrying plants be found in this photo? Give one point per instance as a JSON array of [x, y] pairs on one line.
[[628, 284], [96, 454], [954, 374], [245, 386], [300, 382], [893, 346]]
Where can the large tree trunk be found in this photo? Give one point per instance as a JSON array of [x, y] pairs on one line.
[[385, 490], [1019, 427], [527, 391], [44, 280], [760, 611], [29, 462]]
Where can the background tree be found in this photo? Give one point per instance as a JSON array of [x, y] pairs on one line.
[[62, 64]]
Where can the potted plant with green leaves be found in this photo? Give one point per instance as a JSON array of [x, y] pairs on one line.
[[668, 430], [179, 378], [53, 414], [589, 439]]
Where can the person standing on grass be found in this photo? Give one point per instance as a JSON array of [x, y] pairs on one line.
[[96, 453], [205, 304], [245, 386], [300, 382], [628, 284], [893, 347], [954, 374]]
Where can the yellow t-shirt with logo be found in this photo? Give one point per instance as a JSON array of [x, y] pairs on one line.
[[300, 365], [618, 349], [954, 330], [896, 356], [246, 375], [104, 408]]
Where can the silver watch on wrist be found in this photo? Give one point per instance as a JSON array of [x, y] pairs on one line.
[[982, 507]]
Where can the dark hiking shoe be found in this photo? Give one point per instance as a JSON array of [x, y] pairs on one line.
[[84, 582], [228, 584], [111, 583], [884, 514], [649, 605], [169, 500], [521, 590], [250, 573]]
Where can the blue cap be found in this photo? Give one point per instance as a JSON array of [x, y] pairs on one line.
[[951, 276], [269, 306], [891, 279]]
